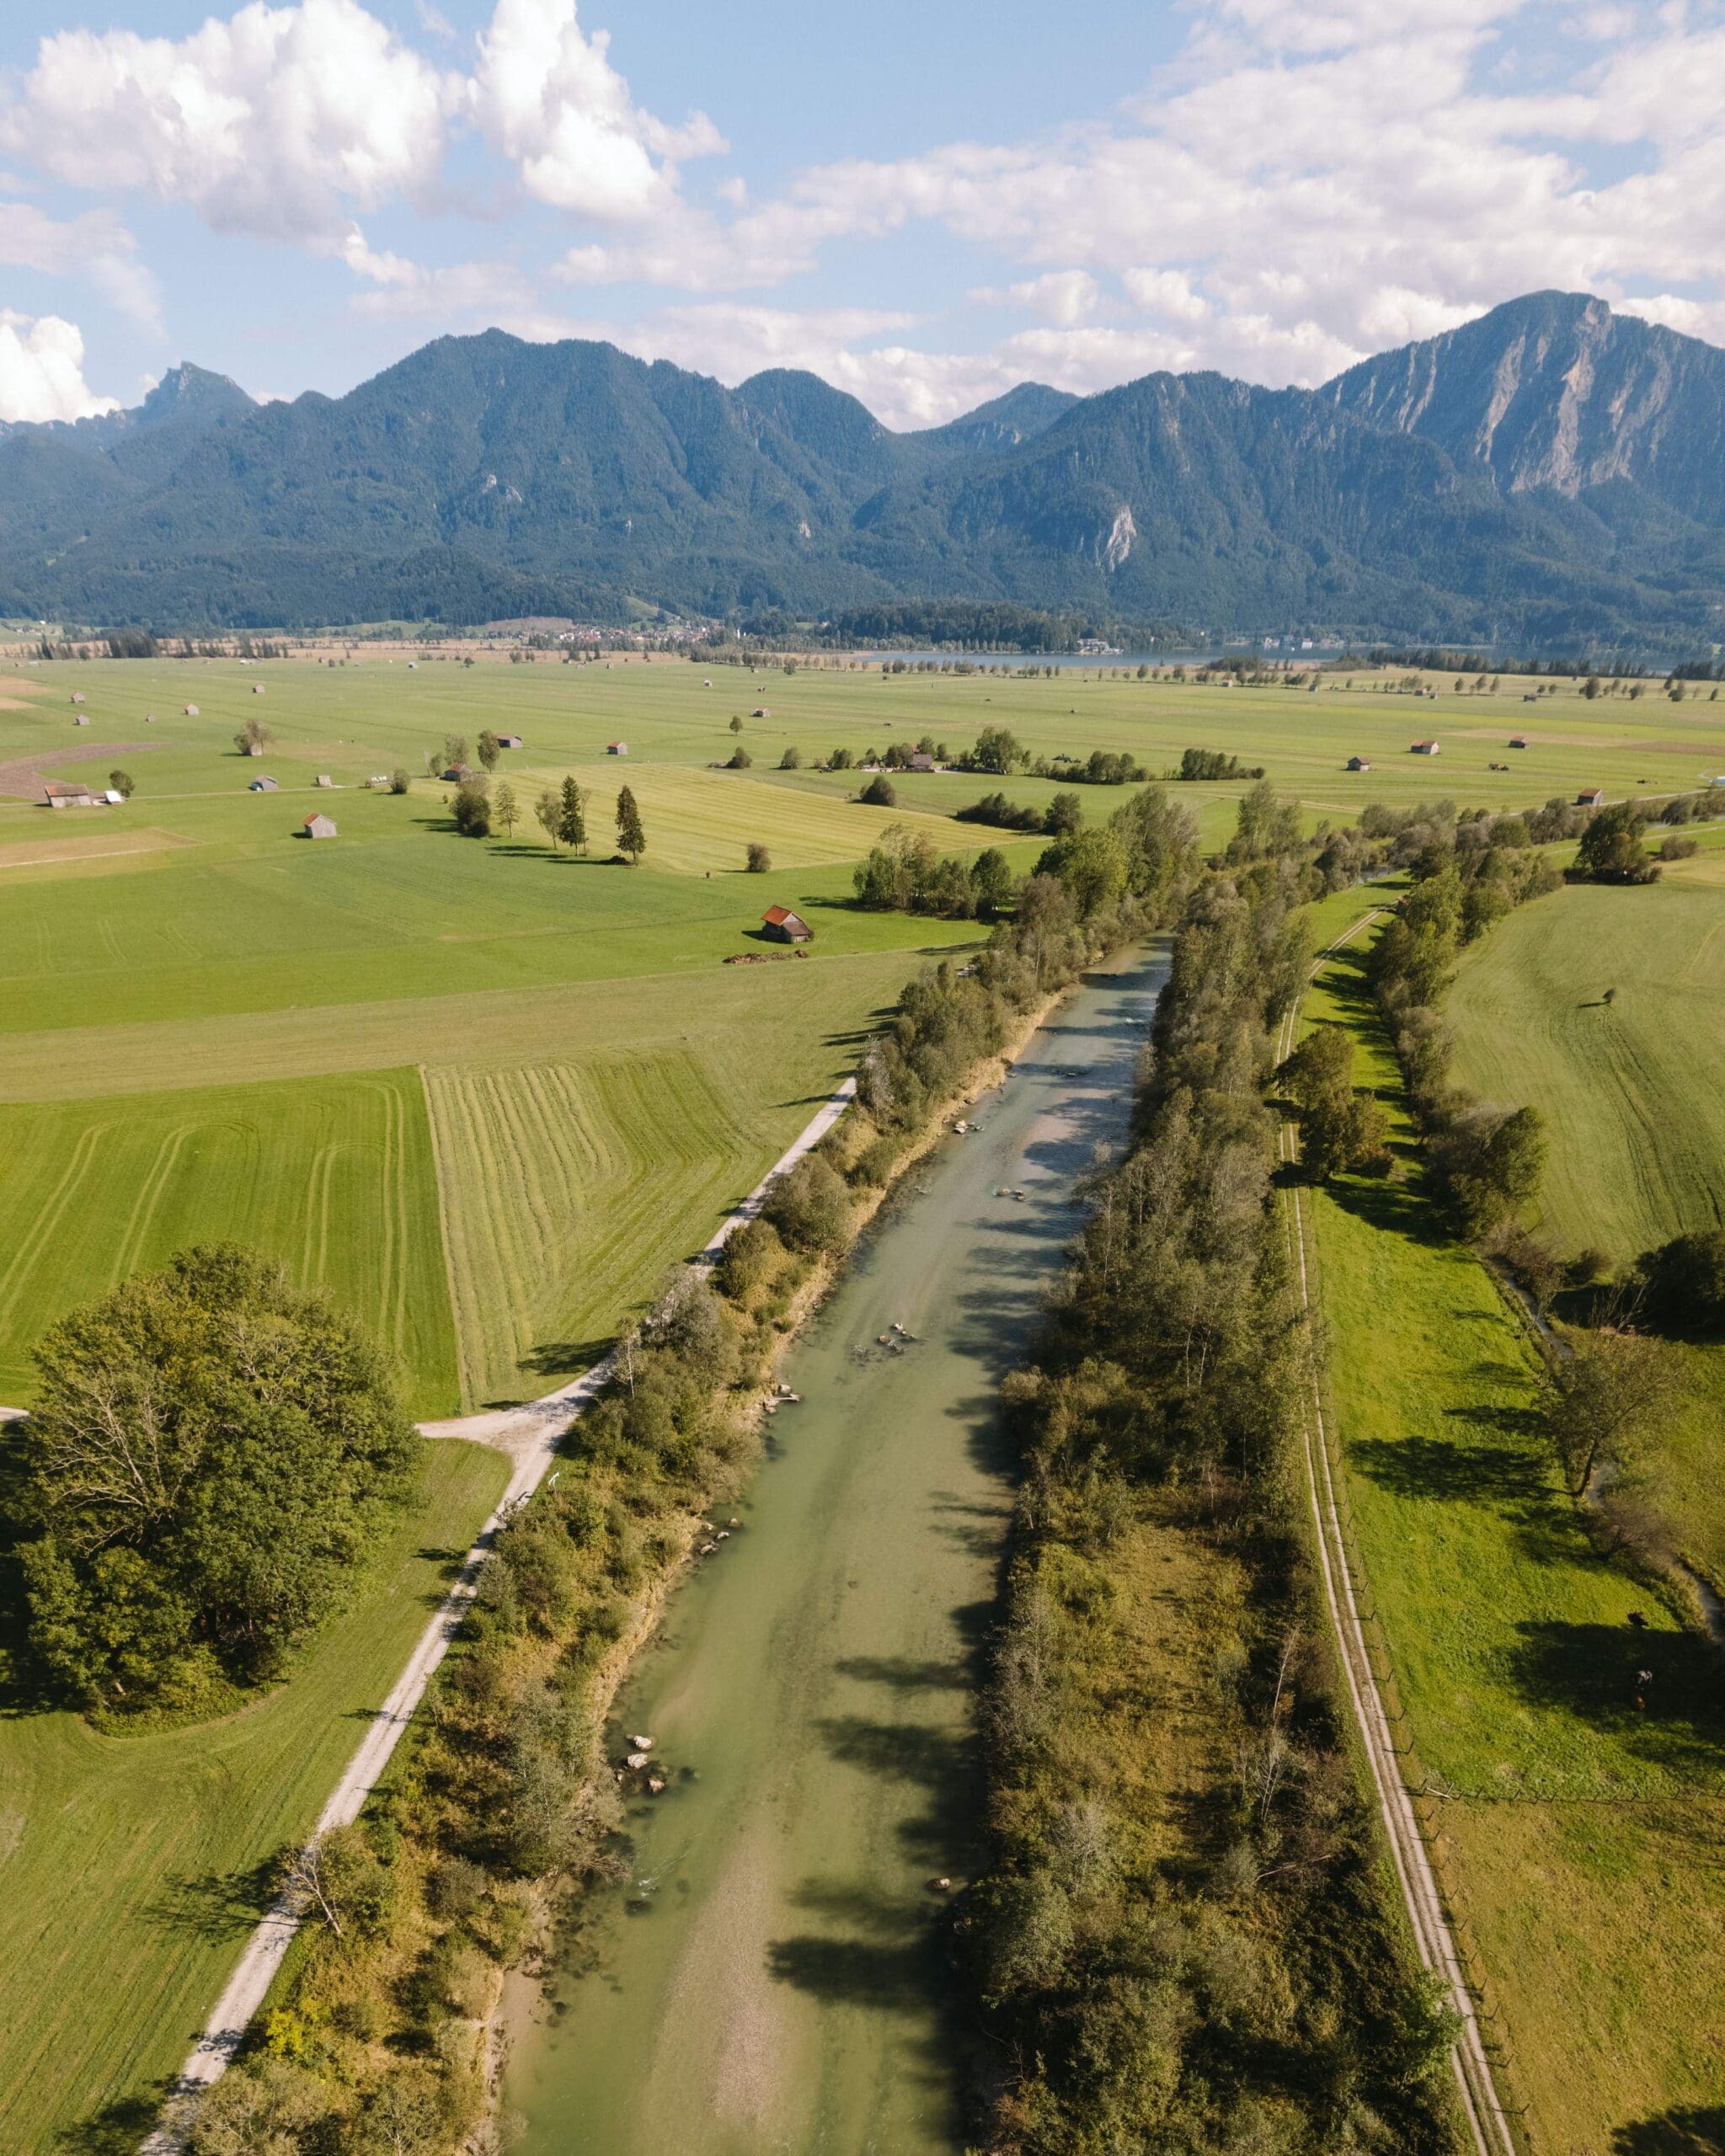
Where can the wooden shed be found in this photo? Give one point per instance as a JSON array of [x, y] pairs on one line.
[[1359, 763], [510, 741], [263, 786], [785, 927], [57, 796], [1423, 748], [1591, 797], [319, 826]]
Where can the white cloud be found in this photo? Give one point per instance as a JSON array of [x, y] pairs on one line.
[[1065, 296], [550, 100], [276, 121], [95, 245], [42, 370]]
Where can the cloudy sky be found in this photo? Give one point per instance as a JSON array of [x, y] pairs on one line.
[[924, 201]]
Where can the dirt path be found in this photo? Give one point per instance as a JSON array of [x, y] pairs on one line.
[[1487, 2119], [530, 1435]]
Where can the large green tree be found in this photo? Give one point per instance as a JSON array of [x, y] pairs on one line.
[[572, 817], [1611, 852], [210, 1454]]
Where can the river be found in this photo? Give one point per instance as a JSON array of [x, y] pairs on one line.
[[772, 1973]]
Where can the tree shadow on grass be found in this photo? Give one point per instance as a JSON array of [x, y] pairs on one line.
[[1684, 2133], [118, 2128], [1449, 1469], [1592, 1672], [555, 1359], [215, 1906]]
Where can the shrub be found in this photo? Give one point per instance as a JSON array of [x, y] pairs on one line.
[[399, 781], [810, 1207], [739, 759], [792, 760], [880, 792], [760, 860]]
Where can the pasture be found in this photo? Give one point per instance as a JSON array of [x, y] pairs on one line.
[[1630, 1091], [129, 1864], [1577, 1837]]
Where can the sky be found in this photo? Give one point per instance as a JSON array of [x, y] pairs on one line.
[[925, 201]]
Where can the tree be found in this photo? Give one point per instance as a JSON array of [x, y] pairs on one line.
[[471, 809], [1064, 815], [736, 722], [122, 783], [1489, 1163], [1092, 866], [880, 792], [210, 1454], [760, 860], [1611, 851], [455, 749], [740, 759], [631, 837], [792, 760], [506, 809], [489, 751], [1604, 1402], [399, 779], [548, 808], [572, 817], [992, 883], [841, 759], [1264, 826], [1160, 837], [997, 750], [1683, 1282], [1340, 1129], [253, 736]]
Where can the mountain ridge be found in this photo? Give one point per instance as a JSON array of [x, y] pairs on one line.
[[1549, 473]]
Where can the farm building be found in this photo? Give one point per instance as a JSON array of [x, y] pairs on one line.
[[77, 695], [80, 720], [257, 688], [324, 779], [255, 749], [1591, 797], [1359, 763], [510, 741], [55, 796], [112, 794], [319, 827], [1423, 748], [1517, 741], [786, 926], [263, 786], [761, 711], [920, 762], [191, 711], [617, 748], [458, 774]]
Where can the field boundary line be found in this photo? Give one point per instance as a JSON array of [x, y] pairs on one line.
[[537, 1431], [1434, 1936]]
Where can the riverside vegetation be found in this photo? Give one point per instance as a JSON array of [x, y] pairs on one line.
[[1186, 1941], [378, 2039]]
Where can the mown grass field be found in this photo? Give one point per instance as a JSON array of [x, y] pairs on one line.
[[332, 1175], [1636, 1111], [1581, 1842], [126, 1863]]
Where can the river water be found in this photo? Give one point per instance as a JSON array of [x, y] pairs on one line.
[[772, 1975]]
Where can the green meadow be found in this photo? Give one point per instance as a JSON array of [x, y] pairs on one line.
[[1577, 1838]]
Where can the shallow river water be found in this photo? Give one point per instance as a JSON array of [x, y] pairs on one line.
[[772, 1975]]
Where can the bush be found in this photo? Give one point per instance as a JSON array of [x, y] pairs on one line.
[[739, 759], [760, 860], [1677, 849], [880, 792], [792, 760], [399, 781], [810, 1207], [471, 809]]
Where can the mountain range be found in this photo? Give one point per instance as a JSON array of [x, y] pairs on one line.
[[1549, 475]]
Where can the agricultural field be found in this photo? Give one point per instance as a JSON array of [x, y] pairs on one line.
[[1576, 1839], [1636, 1114]]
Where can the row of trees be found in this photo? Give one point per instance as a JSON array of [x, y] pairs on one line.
[[1181, 1941], [560, 811]]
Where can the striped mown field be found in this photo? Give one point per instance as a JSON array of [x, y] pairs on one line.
[[332, 1175], [569, 1186]]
